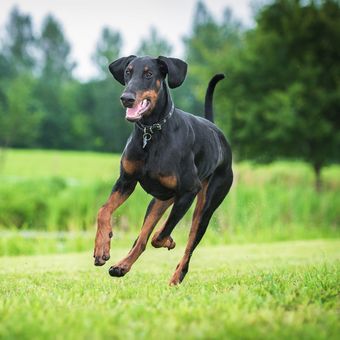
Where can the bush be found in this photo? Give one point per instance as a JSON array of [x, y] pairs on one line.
[[266, 202]]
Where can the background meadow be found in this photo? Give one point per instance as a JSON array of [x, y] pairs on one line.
[[61, 192]]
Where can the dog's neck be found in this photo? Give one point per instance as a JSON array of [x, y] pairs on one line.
[[162, 107]]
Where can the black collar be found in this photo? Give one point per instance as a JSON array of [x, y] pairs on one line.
[[149, 130]]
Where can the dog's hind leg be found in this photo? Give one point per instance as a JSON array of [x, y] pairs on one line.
[[153, 214], [162, 237], [208, 199], [166, 242]]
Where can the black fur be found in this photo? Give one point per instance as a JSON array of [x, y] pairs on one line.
[[189, 148]]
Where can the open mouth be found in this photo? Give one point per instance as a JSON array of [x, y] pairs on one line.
[[136, 112]]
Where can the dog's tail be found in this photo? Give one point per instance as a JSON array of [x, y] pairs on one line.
[[208, 105]]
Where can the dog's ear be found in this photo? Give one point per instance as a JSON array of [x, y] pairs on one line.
[[117, 68], [176, 69]]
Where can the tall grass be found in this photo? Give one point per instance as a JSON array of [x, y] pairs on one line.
[[62, 191]]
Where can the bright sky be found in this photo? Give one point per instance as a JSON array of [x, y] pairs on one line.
[[83, 20]]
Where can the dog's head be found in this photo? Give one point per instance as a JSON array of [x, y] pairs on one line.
[[143, 78]]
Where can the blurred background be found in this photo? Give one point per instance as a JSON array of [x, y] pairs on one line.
[[62, 127]]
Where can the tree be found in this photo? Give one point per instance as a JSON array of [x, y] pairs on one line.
[[54, 52], [285, 85], [100, 98], [19, 119], [100, 101], [18, 46], [107, 50], [19, 111], [154, 45], [209, 49], [55, 72]]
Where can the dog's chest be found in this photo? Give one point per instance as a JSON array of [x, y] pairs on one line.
[[159, 186], [158, 179]]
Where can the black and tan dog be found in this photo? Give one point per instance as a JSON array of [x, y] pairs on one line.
[[174, 155]]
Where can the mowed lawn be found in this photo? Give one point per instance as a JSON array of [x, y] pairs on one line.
[[287, 290]]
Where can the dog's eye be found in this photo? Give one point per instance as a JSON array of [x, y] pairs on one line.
[[148, 74], [127, 72]]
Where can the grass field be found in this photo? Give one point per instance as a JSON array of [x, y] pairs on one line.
[[284, 290], [277, 290], [63, 190]]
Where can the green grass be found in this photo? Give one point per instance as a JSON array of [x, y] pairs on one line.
[[63, 190], [278, 290], [71, 165], [89, 166], [284, 290]]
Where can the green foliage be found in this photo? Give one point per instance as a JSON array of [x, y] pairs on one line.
[[64, 193], [99, 100], [154, 45], [55, 53], [280, 98], [19, 118], [284, 89], [55, 110], [56, 72], [210, 48], [277, 291], [19, 43], [108, 49], [35, 243]]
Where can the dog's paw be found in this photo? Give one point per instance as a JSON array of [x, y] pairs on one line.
[[179, 274], [167, 242], [175, 280], [102, 248], [99, 261], [118, 270]]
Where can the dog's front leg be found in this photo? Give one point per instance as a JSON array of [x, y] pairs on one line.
[[120, 192], [154, 212]]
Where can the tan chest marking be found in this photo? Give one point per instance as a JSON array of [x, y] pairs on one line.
[[131, 167], [169, 182]]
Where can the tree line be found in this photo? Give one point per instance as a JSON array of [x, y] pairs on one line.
[[280, 98]]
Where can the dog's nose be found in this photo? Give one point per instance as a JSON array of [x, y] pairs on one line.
[[128, 99]]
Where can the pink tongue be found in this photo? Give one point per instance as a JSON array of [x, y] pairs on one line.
[[133, 112]]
